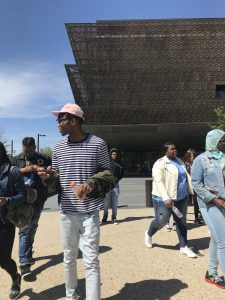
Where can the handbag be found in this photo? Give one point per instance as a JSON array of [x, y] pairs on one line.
[[20, 214]]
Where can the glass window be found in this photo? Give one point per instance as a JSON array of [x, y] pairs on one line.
[[220, 92]]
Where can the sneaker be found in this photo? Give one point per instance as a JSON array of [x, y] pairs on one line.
[[168, 228], [114, 220], [187, 251], [215, 279], [15, 288], [148, 240], [25, 271]]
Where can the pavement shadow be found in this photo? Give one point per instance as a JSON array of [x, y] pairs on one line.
[[199, 244], [53, 293], [131, 219], [54, 260], [169, 247], [191, 226], [196, 244], [150, 290]]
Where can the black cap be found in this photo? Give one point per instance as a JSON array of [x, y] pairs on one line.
[[28, 141]]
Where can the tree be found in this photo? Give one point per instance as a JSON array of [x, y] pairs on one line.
[[220, 123], [47, 152]]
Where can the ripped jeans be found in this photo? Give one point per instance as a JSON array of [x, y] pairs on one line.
[[162, 216]]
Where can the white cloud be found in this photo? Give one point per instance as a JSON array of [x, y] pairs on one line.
[[31, 90]]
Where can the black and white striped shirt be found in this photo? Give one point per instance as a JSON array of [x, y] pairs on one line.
[[77, 162]]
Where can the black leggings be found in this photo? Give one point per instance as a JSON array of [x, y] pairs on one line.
[[7, 235], [196, 207]]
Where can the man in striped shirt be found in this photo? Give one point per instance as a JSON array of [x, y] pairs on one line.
[[76, 158]]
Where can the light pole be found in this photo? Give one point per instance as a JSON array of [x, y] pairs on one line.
[[12, 150], [38, 136]]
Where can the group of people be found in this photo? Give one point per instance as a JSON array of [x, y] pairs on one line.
[[204, 177], [82, 158]]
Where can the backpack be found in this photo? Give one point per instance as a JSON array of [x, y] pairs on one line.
[[21, 214]]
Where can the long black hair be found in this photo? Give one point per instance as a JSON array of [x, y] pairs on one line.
[[4, 156]]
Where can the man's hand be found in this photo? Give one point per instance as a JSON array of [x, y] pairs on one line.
[[219, 202], [29, 169], [82, 190], [44, 173], [3, 201]]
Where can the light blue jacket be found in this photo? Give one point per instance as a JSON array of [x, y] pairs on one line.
[[207, 179]]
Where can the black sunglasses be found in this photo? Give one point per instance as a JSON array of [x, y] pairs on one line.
[[63, 118]]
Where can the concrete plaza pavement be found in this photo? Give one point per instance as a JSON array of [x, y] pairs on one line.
[[129, 270]]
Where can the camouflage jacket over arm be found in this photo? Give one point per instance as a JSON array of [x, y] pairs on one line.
[[101, 183]]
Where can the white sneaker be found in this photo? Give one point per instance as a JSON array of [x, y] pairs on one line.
[[187, 251], [148, 240]]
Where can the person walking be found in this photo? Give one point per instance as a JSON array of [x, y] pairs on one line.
[[28, 162], [208, 178], [76, 159], [8, 198], [170, 187], [112, 196], [188, 159]]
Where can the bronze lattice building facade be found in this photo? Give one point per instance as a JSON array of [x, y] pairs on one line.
[[144, 82]]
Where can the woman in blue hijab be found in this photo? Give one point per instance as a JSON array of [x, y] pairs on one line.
[[208, 178]]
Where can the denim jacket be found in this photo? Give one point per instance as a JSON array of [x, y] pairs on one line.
[[207, 179], [19, 192]]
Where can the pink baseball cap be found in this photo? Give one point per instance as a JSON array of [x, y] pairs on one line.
[[72, 109]]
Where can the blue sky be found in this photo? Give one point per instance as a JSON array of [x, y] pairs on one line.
[[34, 47]]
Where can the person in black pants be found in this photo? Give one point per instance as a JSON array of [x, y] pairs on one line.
[[112, 196], [7, 229], [188, 159]]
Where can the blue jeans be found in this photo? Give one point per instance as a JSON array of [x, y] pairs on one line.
[[112, 197], [162, 216], [214, 217], [27, 234], [83, 228]]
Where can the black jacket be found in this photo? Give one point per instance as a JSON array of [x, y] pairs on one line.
[[37, 159], [117, 170]]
